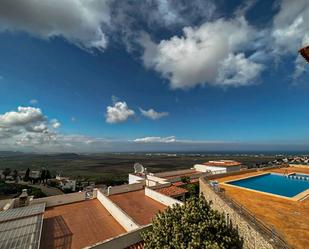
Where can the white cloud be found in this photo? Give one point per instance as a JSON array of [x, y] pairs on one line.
[[171, 139], [290, 31], [199, 56], [238, 70], [55, 123], [152, 114], [33, 101], [23, 116], [291, 26], [78, 21], [27, 126], [118, 113]]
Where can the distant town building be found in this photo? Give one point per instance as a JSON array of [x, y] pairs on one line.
[[65, 183]]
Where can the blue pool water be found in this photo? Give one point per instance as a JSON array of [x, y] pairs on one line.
[[302, 175], [274, 184]]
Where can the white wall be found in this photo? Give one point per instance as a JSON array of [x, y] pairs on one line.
[[57, 200], [165, 200], [123, 219], [205, 168], [125, 188], [152, 180], [121, 241], [134, 178]]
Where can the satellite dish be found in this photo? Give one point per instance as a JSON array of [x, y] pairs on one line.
[[138, 168]]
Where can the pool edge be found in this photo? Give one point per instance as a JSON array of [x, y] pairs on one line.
[[299, 196]]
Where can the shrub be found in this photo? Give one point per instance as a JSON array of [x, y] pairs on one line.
[[194, 226]]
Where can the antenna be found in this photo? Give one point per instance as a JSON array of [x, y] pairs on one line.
[[138, 168]]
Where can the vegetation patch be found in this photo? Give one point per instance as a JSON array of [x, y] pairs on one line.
[[194, 225]]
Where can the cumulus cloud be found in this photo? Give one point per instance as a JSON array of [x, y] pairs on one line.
[[171, 139], [55, 123], [152, 114], [27, 126], [291, 26], [23, 116], [202, 55], [118, 113], [78, 21], [238, 70], [290, 31]]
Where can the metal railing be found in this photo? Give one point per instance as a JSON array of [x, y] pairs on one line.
[[268, 232]]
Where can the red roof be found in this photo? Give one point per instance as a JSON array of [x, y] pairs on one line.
[[305, 53], [180, 183], [222, 163], [172, 191]]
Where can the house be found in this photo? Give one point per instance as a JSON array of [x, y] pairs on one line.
[[65, 183], [218, 167]]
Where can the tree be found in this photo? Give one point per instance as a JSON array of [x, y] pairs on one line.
[[15, 174], [47, 175], [27, 175], [6, 172], [193, 225], [185, 179], [43, 175]]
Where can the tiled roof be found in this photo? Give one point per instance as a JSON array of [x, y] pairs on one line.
[[222, 163], [172, 191], [305, 53], [178, 184]]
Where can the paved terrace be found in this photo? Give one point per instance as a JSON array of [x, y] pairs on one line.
[[77, 225], [290, 218], [138, 206]]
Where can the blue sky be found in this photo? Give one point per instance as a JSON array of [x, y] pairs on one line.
[[156, 75]]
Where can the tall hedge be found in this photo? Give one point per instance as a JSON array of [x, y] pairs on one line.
[[193, 225]]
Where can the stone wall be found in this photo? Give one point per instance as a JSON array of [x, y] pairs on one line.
[[252, 238]]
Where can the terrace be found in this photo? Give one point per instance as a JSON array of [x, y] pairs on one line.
[[289, 217], [77, 225], [138, 206]]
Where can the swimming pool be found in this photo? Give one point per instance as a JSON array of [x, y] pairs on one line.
[[274, 184], [300, 175]]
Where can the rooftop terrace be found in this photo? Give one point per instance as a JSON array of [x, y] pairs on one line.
[[77, 225], [289, 217], [138, 206]]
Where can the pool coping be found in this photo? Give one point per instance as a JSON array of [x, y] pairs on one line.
[[298, 197]]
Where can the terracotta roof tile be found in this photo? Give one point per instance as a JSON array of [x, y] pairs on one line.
[[172, 191], [222, 163]]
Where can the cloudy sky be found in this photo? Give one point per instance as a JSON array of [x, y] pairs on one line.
[[107, 75]]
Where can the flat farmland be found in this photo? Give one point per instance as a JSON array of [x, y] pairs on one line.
[[115, 166]]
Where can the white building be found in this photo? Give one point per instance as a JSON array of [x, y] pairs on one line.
[[218, 167]]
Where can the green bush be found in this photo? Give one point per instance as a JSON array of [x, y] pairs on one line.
[[191, 226]]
